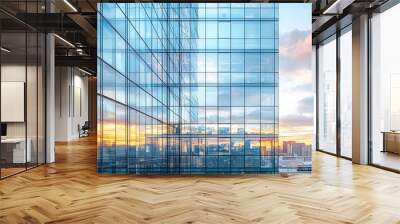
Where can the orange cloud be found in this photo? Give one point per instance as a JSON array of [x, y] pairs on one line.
[[299, 49]]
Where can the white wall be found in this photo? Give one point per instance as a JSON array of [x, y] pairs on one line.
[[33, 126], [71, 102], [17, 73], [12, 73]]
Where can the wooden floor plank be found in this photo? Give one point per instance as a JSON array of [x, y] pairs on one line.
[[70, 191]]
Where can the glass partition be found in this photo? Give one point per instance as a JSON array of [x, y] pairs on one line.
[[22, 88], [31, 98], [14, 154]]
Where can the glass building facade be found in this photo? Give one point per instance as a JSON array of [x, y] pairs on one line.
[[188, 88], [22, 89]]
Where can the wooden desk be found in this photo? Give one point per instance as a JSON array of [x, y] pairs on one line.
[[391, 142], [16, 147]]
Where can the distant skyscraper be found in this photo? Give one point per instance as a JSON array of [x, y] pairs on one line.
[[293, 148]]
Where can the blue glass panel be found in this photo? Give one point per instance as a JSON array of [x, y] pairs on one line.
[[252, 29]]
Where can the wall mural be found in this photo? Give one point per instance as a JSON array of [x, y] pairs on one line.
[[198, 88]]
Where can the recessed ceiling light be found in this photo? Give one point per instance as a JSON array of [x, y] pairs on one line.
[[64, 40], [84, 71], [70, 5], [5, 50]]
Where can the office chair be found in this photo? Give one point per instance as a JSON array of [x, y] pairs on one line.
[[84, 130]]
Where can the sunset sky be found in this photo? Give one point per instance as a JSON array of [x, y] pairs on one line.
[[296, 96]]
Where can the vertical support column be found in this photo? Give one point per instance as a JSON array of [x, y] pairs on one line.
[[92, 103], [50, 91], [316, 97], [360, 89], [50, 98]]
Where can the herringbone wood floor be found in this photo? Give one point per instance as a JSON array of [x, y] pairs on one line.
[[70, 191]]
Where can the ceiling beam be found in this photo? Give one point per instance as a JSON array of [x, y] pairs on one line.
[[78, 61]]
